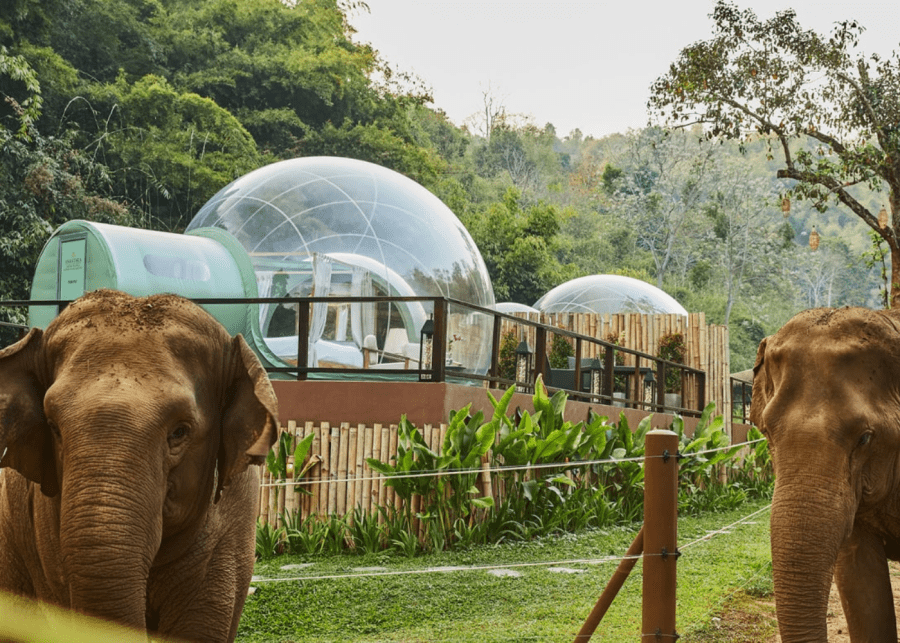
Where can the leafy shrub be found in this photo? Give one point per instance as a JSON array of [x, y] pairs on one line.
[[269, 540], [508, 344], [560, 352], [550, 476], [672, 348]]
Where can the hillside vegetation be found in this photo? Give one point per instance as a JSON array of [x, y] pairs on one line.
[[135, 112]]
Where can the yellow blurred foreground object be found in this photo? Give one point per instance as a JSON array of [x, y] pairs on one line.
[[23, 620]]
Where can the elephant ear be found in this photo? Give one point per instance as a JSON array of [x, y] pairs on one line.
[[761, 387], [249, 419], [24, 432]]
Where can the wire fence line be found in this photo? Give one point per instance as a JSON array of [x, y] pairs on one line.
[[721, 531], [438, 473], [724, 530]]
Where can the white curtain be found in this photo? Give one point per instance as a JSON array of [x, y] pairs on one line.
[[362, 316], [264, 288], [321, 286]]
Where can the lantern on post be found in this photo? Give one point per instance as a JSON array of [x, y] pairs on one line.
[[650, 387], [596, 370], [814, 239], [523, 366], [426, 349], [882, 218], [786, 207]]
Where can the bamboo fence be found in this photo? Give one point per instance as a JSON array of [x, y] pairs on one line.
[[339, 479]]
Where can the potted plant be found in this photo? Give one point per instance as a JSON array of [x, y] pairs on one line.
[[672, 348], [507, 358], [619, 384]]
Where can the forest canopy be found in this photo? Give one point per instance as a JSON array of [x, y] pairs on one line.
[[136, 112]]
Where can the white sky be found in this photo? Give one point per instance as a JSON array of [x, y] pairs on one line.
[[574, 64]]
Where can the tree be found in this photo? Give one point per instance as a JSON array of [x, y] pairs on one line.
[[776, 80], [520, 247], [659, 190], [744, 234], [44, 181], [172, 150]]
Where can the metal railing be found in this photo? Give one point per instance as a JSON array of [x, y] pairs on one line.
[[610, 374]]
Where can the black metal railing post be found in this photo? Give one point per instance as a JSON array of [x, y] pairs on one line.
[[609, 373], [661, 386], [439, 346], [302, 339], [494, 373], [540, 354]]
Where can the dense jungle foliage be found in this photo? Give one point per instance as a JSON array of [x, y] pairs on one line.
[[136, 111]]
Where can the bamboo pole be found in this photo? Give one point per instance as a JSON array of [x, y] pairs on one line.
[[368, 451], [612, 589], [273, 503], [384, 445], [392, 453], [325, 486], [334, 440], [290, 497], [376, 483], [360, 461], [310, 498], [344, 454], [352, 473], [264, 495]]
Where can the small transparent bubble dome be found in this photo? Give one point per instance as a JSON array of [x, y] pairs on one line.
[[334, 226], [511, 307], [608, 294]]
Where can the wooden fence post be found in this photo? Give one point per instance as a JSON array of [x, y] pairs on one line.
[[660, 535]]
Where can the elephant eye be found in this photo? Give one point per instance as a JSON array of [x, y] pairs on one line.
[[53, 428], [179, 433], [864, 439]]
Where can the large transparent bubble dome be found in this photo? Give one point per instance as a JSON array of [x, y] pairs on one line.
[[608, 294], [310, 224]]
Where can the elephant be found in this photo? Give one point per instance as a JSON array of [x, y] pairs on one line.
[[826, 393], [133, 428]]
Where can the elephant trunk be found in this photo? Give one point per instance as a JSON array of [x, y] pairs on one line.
[[110, 531], [809, 524]]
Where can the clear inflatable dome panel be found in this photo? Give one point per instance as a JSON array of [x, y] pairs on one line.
[[608, 294], [321, 226], [511, 307]]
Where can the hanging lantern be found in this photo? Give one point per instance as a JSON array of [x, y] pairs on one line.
[[595, 368], [814, 239], [426, 346], [523, 366], [650, 389], [786, 207], [882, 218]]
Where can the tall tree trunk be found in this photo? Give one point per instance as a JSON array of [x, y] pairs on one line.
[[895, 276]]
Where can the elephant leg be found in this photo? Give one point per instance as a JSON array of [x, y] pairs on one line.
[[864, 584]]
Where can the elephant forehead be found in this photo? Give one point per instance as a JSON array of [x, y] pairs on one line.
[[119, 393], [846, 369], [821, 377], [97, 344]]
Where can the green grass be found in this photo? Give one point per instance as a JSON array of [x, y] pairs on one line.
[[474, 606]]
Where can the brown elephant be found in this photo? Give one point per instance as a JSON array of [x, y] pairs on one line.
[[826, 392], [126, 490]]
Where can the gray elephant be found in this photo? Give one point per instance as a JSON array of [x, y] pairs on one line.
[[826, 392], [127, 490]]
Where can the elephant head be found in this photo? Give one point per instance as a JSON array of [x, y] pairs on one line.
[[134, 416], [826, 393]]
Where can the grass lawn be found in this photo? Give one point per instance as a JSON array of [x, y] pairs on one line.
[[530, 599]]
